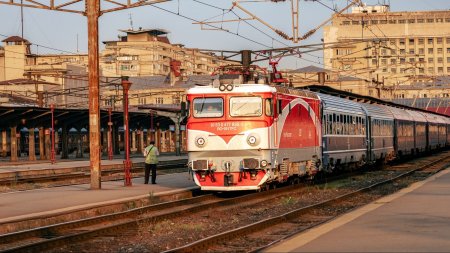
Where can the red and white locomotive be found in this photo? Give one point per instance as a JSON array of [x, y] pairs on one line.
[[247, 136]]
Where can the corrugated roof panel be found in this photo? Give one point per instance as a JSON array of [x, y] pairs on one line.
[[417, 116], [400, 114], [337, 104], [377, 111]]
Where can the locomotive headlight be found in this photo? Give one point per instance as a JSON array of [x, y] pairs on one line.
[[263, 163], [222, 87], [253, 140], [200, 141], [230, 87]]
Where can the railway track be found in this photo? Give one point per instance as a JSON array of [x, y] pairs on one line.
[[60, 235], [77, 175], [267, 230], [46, 237]]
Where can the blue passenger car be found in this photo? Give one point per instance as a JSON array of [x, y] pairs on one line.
[[344, 133]]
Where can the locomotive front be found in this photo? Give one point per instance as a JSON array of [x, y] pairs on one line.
[[229, 136]]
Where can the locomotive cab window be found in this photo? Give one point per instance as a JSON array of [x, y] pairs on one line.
[[245, 106], [269, 107], [208, 107]]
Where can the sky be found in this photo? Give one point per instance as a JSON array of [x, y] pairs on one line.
[[67, 32]]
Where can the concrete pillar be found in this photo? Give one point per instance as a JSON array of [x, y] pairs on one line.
[[48, 143], [41, 144], [64, 142], [158, 139], [13, 139], [116, 139], [141, 141], [31, 145], [133, 142], [57, 149], [4, 143]]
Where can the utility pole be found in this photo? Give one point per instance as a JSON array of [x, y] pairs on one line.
[[92, 10]]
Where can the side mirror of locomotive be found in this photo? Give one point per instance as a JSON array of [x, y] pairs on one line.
[[279, 107]]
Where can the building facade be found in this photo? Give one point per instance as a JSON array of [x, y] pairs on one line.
[[389, 48]]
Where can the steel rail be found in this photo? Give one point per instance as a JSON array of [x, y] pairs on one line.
[[76, 174], [203, 244], [83, 229]]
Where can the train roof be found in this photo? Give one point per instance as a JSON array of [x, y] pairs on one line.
[[377, 111], [417, 116], [399, 113], [433, 118], [336, 104], [237, 88]]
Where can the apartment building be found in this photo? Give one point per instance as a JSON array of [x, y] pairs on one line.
[[395, 48], [148, 52]]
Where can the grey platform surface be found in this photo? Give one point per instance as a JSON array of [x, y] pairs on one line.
[[416, 219], [23, 204]]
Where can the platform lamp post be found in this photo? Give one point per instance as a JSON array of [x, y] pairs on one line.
[[127, 163], [110, 146], [52, 156]]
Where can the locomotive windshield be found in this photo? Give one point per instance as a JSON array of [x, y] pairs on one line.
[[208, 107], [245, 106]]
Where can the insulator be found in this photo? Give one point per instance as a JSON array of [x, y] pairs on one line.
[[282, 34], [308, 34]]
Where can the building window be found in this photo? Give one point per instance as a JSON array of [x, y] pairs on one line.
[[402, 42], [447, 40], [402, 60], [383, 61], [448, 59], [430, 41], [430, 50], [430, 20], [430, 59], [176, 100], [393, 61], [355, 22], [421, 60], [392, 21], [421, 51], [411, 51], [159, 100], [447, 20], [420, 20], [402, 21], [439, 20], [383, 22], [411, 59], [448, 70], [345, 22], [374, 22], [439, 50], [431, 70], [421, 70], [448, 50], [411, 21], [439, 40], [440, 70], [402, 51], [374, 61], [393, 70], [440, 60]]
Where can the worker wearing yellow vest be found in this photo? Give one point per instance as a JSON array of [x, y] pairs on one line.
[[151, 154]]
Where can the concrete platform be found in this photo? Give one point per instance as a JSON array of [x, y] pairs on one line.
[[415, 219], [43, 202]]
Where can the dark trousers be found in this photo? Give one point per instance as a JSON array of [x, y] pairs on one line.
[[149, 167]]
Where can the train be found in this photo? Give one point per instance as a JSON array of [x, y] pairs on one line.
[[250, 136]]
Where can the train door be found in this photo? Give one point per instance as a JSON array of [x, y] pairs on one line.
[[369, 139]]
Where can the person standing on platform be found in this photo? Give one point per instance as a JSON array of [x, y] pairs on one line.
[[151, 154]]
